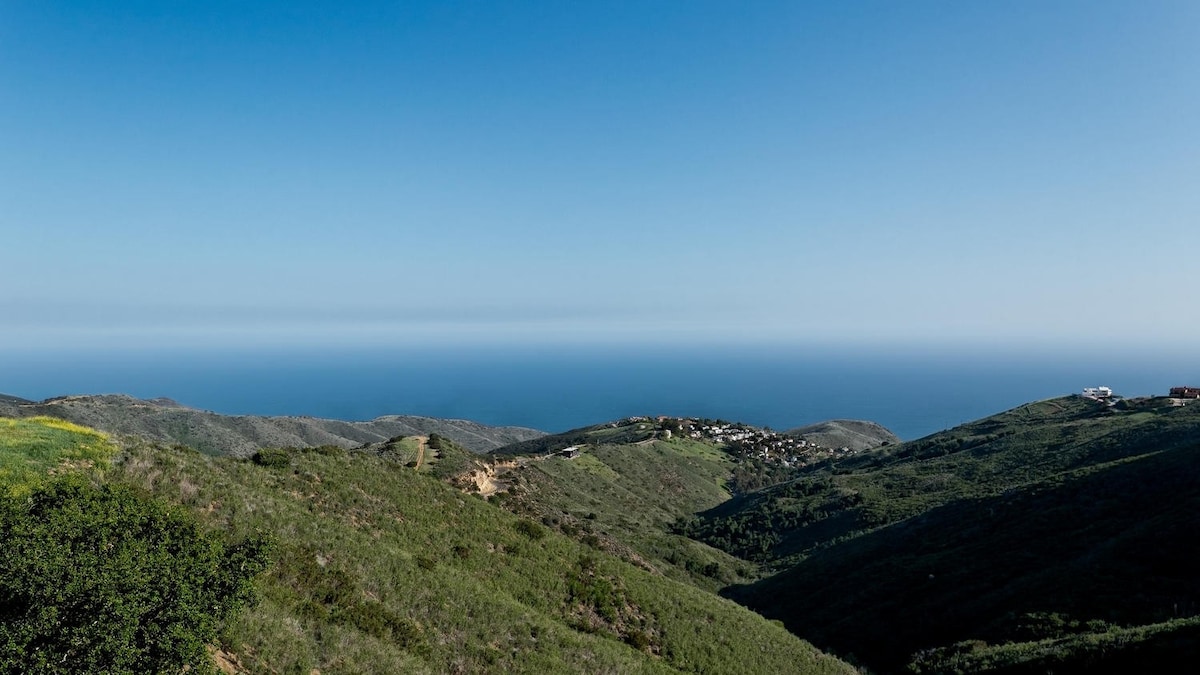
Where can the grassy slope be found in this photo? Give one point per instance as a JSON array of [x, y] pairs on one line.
[[1153, 648], [385, 570], [1012, 450], [614, 433], [1059, 508], [1116, 544], [855, 434], [31, 448], [1056, 507], [649, 485], [630, 495]]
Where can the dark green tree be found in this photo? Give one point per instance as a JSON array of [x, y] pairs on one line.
[[104, 579]]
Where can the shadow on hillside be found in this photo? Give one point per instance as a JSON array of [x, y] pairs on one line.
[[1117, 544]]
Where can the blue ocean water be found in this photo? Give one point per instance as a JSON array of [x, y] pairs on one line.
[[913, 392]]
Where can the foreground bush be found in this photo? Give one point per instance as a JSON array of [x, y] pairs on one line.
[[102, 579]]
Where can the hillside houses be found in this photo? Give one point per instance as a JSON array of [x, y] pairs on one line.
[[749, 442], [742, 441]]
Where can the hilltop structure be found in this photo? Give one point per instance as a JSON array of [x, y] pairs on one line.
[[1098, 393]]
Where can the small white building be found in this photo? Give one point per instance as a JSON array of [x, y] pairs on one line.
[[1097, 393]]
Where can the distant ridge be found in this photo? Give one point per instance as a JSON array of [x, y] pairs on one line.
[[12, 400], [166, 421], [852, 434]]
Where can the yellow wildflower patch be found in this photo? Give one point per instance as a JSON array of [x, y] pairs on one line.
[[32, 449]]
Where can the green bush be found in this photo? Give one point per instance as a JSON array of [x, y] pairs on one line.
[[107, 580], [639, 640], [273, 457], [530, 529], [375, 620]]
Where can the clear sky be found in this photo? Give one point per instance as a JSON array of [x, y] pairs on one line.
[[231, 173]]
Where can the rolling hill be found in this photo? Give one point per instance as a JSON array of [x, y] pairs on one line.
[[165, 421], [380, 567], [1059, 518], [630, 482], [1059, 536], [853, 434], [624, 498]]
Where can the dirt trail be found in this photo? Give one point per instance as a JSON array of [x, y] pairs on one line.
[[421, 441]]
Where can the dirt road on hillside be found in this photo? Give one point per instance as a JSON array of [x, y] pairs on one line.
[[421, 441]]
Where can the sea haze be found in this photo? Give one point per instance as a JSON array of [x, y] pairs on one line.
[[914, 392]]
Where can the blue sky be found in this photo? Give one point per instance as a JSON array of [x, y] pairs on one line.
[[212, 174]]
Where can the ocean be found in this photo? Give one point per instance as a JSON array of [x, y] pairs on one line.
[[912, 392]]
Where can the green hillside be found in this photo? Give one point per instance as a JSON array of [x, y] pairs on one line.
[[781, 524], [379, 567], [1059, 536], [631, 486], [623, 432], [624, 498], [854, 539], [1064, 522], [1115, 543], [31, 449]]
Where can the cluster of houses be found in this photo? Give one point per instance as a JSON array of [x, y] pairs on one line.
[[740, 440], [750, 442]]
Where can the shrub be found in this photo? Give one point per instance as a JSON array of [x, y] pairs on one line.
[[110, 581], [272, 457], [376, 620], [530, 529], [638, 640]]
